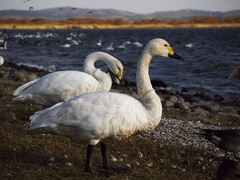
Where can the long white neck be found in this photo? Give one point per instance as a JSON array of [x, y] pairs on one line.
[[147, 94], [103, 78]]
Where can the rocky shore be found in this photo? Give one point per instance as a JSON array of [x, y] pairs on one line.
[[182, 104]]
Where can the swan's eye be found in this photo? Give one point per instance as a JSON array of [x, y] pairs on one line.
[[165, 45]]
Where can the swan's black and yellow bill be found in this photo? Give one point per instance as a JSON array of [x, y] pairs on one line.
[[175, 56], [172, 54], [116, 78]]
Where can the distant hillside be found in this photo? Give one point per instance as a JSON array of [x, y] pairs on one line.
[[68, 12]]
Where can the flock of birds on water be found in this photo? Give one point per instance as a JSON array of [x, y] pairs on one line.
[[79, 106]]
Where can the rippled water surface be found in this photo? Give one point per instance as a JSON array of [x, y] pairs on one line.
[[214, 54]]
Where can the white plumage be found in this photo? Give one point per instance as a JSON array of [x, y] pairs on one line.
[[109, 48], [1, 61], [91, 118], [3, 45], [63, 85], [99, 43]]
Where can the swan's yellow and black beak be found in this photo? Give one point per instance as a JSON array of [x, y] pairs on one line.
[[175, 56], [172, 54], [117, 78]]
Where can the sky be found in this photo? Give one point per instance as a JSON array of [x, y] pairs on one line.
[[135, 6]]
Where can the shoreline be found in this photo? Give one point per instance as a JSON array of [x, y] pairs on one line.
[[110, 26], [178, 105]]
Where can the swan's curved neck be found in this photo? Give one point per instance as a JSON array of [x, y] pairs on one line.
[[90, 60], [144, 85], [88, 67], [147, 94]]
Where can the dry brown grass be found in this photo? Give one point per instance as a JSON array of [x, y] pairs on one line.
[[110, 26], [118, 23], [28, 156]]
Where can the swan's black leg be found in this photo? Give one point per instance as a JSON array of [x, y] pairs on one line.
[[106, 162], [88, 165], [104, 156]]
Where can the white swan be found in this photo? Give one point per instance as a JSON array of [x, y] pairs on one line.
[[137, 44], [91, 118], [63, 85], [66, 46], [3, 45], [123, 46], [109, 48], [1, 61], [99, 43]]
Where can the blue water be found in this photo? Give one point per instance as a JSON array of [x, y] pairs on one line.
[[216, 52]]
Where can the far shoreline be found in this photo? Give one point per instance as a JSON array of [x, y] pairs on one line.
[[111, 26]]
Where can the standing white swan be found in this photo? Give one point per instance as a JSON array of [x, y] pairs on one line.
[[63, 85], [91, 118]]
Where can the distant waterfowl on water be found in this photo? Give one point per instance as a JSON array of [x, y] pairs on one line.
[[137, 44], [123, 46], [99, 43], [3, 45], [109, 48]]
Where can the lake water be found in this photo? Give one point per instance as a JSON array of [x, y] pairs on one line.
[[215, 53]]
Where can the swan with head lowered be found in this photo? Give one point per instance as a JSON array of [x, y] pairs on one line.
[[63, 85], [94, 117]]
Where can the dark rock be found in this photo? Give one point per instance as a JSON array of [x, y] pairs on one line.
[[167, 103], [171, 98], [228, 110], [181, 105], [183, 89], [200, 111], [206, 107], [158, 83]]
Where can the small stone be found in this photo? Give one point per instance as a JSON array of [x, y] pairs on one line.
[[68, 164], [168, 104]]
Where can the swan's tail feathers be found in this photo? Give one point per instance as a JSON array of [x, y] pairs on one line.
[[18, 99], [40, 122], [40, 128], [22, 88]]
